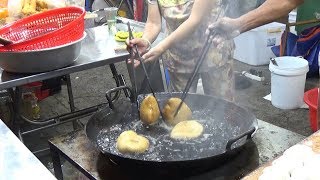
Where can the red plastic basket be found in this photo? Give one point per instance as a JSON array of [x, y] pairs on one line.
[[45, 30]]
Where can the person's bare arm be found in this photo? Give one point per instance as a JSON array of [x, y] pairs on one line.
[[151, 30], [268, 12], [153, 24], [199, 10]]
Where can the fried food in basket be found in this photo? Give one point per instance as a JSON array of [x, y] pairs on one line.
[[31, 7], [41, 4]]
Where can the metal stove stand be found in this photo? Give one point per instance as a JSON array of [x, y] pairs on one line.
[[76, 149]]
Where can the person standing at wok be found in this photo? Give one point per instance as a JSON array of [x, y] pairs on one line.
[[269, 11], [186, 23]]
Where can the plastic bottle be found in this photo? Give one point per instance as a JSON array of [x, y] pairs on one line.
[[35, 108]]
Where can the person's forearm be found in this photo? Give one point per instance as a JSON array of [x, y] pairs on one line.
[[151, 31], [153, 24], [268, 12], [182, 32]]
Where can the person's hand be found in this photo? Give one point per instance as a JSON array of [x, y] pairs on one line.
[[153, 54], [226, 29], [141, 43], [142, 46]]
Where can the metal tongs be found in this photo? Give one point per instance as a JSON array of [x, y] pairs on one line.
[[203, 54], [144, 68]]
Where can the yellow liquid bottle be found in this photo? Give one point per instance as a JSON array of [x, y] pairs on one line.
[[35, 109]]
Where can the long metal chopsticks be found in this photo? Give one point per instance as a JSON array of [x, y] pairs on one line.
[[134, 84], [144, 67], [204, 52]]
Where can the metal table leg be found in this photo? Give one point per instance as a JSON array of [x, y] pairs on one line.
[[70, 94], [16, 98], [10, 94], [56, 162], [120, 81], [76, 124]]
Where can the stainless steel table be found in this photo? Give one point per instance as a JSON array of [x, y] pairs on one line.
[[269, 142], [16, 161], [97, 50]]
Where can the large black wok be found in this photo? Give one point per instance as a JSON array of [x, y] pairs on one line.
[[227, 127]]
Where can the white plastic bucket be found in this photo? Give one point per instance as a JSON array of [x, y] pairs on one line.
[[288, 82]]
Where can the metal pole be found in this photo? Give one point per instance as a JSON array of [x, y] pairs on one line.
[[11, 106], [56, 162], [16, 97], [119, 81], [70, 93], [71, 119], [75, 124], [41, 152]]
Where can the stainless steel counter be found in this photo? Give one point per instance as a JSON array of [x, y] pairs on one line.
[[16, 161], [97, 50]]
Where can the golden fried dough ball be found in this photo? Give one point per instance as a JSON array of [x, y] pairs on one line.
[[187, 130], [170, 109], [131, 142], [149, 111]]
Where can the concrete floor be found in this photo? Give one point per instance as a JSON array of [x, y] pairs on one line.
[[89, 89]]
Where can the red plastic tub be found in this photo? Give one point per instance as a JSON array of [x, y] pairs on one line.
[[39, 92], [311, 98]]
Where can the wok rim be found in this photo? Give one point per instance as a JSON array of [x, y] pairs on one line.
[[173, 161]]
